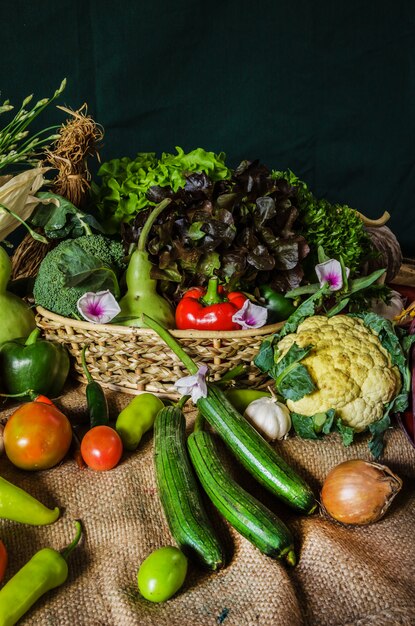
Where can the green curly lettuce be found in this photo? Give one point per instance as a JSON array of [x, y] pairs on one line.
[[126, 182], [334, 227]]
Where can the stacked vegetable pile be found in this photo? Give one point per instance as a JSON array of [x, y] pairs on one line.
[[183, 241], [249, 227]]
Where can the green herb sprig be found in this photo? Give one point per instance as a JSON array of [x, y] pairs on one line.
[[16, 144]]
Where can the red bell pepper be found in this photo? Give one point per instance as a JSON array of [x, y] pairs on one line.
[[209, 309]]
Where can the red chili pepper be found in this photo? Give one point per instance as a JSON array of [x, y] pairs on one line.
[[209, 309], [42, 398]]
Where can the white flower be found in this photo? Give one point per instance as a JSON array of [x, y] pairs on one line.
[[193, 386], [330, 272], [250, 316], [99, 308]]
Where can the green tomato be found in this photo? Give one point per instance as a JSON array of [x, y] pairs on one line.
[[162, 573]]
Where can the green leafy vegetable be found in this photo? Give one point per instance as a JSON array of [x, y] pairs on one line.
[[377, 430], [126, 182], [335, 227], [398, 347], [239, 226], [304, 426], [292, 379], [83, 269], [60, 219], [320, 424], [51, 289], [347, 433], [306, 309]]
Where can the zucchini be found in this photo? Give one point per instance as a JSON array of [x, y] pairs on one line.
[[247, 445], [254, 453], [244, 512], [179, 491]]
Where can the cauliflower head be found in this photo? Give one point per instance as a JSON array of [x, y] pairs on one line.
[[352, 371]]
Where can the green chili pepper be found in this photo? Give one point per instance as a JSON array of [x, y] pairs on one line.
[[35, 364], [46, 570], [95, 398], [137, 418], [240, 398], [278, 306], [19, 506]]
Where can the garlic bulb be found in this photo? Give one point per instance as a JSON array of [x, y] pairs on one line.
[[270, 417], [391, 310]]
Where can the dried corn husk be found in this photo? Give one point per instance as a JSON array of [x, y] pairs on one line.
[[17, 195]]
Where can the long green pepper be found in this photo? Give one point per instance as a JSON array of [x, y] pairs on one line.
[[95, 398], [46, 570], [19, 506]]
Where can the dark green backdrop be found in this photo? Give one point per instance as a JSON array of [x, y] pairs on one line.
[[324, 88]]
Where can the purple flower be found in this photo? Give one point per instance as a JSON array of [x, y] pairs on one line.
[[250, 316], [193, 386], [99, 308], [330, 272]]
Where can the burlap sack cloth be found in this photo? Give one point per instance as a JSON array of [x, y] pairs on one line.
[[345, 576]]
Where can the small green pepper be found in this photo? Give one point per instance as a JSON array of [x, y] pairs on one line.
[[137, 418], [19, 506], [46, 570], [95, 398], [278, 306], [240, 398], [34, 363]]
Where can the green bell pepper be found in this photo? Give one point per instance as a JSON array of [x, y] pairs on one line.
[[278, 306], [33, 364]]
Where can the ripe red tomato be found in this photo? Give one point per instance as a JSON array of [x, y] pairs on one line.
[[3, 560], [37, 436], [101, 448]]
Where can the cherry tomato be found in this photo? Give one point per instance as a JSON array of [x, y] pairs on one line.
[[37, 436], [3, 560], [101, 448], [162, 573]]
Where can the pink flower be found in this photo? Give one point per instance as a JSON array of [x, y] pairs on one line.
[[193, 386], [250, 316], [99, 308], [330, 272]]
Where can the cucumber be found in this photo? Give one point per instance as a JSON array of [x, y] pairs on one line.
[[179, 491], [244, 512], [254, 453]]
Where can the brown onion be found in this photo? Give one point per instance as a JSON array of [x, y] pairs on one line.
[[359, 492]]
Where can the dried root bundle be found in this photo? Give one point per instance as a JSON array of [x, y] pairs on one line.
[[79, 139]]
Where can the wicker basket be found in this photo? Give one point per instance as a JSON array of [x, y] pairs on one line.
[[133, 360]]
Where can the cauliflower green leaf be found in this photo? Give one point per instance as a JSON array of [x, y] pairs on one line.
[[398, 343], [292, 380]]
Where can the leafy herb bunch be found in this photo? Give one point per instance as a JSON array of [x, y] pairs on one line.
[[335, 227]]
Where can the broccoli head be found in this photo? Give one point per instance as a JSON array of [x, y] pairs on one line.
[[50, 288]]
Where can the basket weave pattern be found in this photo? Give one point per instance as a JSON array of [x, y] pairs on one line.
[[133, 360]]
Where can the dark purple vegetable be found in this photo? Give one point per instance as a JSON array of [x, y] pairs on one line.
[[242, 230]]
